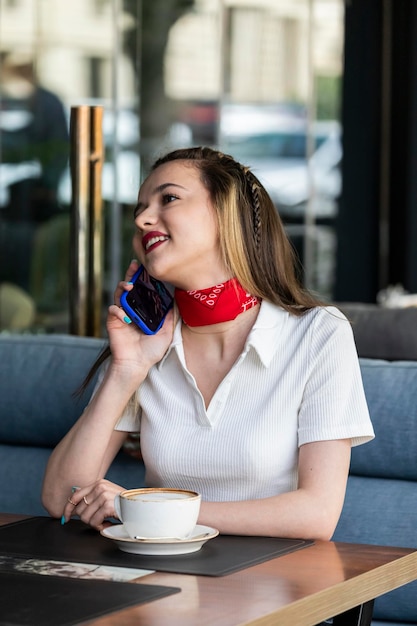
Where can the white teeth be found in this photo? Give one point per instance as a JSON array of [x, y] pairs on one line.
[[154, 240]]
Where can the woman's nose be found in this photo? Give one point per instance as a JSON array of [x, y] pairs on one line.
[[147, 216]]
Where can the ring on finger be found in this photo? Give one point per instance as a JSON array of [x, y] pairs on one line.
[[71, 502], [85, 500]]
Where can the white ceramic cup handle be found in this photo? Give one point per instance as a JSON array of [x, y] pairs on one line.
[[117, 507]]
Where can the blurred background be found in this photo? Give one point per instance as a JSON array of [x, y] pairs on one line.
[[319, 97]]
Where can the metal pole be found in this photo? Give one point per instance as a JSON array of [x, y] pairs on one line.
[[96, 229], [309, 217], [80, 177], [115, 252], [86, 269]]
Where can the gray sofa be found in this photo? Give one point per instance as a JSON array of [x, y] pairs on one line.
[[383, 333], [38, 375]]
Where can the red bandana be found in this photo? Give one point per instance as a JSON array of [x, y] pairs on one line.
[[214, 305]]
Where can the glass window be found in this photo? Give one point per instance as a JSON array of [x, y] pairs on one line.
[[259, 79], [55, 56]]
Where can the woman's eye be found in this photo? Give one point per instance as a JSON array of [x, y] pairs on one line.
[[169, 197]]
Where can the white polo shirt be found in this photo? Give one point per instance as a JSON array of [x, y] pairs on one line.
[[297, 381]]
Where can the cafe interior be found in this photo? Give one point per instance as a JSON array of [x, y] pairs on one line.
[[322, 90], [319, 98]]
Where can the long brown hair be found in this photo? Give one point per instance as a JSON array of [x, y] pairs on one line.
[[253, 242]]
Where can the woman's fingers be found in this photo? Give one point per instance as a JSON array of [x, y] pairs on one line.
[[125, 285], [119, 313], [120, 289], [131, 270], [92, 504]]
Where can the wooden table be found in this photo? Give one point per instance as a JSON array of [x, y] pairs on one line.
[[299, 589]]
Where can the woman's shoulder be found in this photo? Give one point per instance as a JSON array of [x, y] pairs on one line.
[[327, 317], [319, 321], [321, 313], [327, 312], [327, 325]]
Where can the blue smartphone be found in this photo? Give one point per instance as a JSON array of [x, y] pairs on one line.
[[148, 302]]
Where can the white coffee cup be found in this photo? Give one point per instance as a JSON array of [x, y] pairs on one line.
[[158, 513]]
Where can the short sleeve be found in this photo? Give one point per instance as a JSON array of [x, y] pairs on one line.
[[334, 404], [130, 419]]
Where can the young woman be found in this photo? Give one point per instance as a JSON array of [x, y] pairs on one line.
[[254, 400]]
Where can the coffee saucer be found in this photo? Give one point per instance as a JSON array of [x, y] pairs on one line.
[[159, 547]]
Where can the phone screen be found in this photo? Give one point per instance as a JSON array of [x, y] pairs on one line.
[[148, 301]]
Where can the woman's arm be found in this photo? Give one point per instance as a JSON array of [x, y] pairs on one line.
[[84, 455], [312, 511], [86, 452]]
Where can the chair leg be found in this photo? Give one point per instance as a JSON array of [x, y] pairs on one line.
[[359, 616]]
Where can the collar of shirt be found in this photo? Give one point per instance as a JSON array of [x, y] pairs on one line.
[[264, 337]]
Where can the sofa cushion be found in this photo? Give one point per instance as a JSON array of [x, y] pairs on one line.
[[381, 498], [22, 470], [41, 368], [391, 392], [21, 490], [379, 511], [383, 512], [383, 333]]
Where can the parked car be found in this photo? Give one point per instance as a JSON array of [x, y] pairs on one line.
[[274, 141]]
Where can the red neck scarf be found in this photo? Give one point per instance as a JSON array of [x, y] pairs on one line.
[[214, 305]]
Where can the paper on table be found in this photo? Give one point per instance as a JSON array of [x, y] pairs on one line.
[[67, 569]]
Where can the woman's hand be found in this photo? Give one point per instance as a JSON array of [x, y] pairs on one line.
[[92, 504], [130, 347]]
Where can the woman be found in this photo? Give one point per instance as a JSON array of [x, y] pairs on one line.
[[255, 402]]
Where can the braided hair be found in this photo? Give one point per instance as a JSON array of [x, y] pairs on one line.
[[253, 184]]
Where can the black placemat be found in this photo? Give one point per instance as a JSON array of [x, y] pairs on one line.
[[45, 538], [37, 600]]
